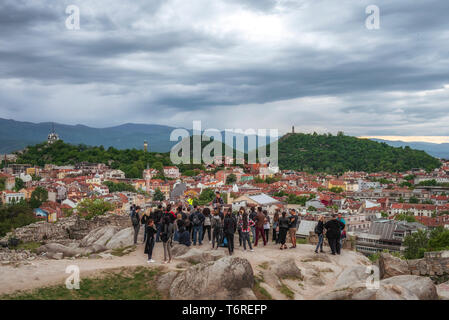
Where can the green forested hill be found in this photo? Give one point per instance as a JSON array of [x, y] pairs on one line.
[[131, 161], [330, 153]]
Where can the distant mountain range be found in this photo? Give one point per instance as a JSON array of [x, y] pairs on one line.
[[439, 150], [16, 135]]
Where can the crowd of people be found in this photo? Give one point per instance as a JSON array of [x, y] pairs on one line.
[[190, 224]]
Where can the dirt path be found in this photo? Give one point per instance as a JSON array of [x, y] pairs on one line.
[[42, 273]]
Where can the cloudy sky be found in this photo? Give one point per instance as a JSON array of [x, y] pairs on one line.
[[230, 63]]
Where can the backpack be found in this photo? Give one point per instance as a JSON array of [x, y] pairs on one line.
[[196, 219]]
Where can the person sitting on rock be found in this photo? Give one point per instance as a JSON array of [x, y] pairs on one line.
[[184, 237]]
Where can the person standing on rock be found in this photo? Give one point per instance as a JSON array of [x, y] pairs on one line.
[[144, 221], [197, 220], [166, 237], [217, 227], [276, 227], [239, 227], [207, 224], [260, 220], [333, 234], [218, 201], [229, 227], [135, 220], [252, 216], [150, 231], [245, 225], [283, 229], [319, 231], [157, 216], [293, 222], [343, 230], [266, 225]]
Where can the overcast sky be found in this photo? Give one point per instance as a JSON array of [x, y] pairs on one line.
[[229, 63]]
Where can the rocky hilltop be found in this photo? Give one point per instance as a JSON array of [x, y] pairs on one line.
[[202, 273]]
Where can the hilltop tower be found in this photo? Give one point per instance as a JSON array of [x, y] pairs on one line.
[[293, 129], [53, 136], [145, 146]]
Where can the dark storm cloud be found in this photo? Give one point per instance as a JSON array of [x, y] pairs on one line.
[[148, 55]]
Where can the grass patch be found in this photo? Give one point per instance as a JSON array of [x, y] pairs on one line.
[[31, 246], [301, 241], [286, 291], [260, 292], [120, 252], [127, 284]]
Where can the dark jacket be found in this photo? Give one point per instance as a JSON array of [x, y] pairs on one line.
[[319, 227], [157, 216], [184, 238], [259, 220], [151, 231], [293, 221], [333, 228], [283, 222], [136, 214], [200, 218], [218, 201], [144, 219], [229, 224]]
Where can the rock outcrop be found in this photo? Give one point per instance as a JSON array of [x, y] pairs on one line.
[[390, 266], [72, 227], [199, 256], [50, 249], [121, 239], [227, 278]]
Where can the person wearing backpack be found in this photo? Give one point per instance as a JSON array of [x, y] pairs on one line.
[[197, 220], [319, 230], [135, 220], [207, 224], [216, 225], [229, 227]]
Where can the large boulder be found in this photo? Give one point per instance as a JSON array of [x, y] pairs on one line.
[[179, 250], [352, 276], [198, 256], [390, 266], [123, 238], [286, 268], [225, 279], [443, 291], [68, 251], [422, 287], [99, 236]]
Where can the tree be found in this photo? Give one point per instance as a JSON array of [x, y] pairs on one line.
[[90, 208], [158, 195], [311, 208], [38, 196], [230, 179], [2, 183], [19, 184], [206, 196], [415, 245]]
